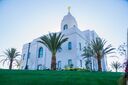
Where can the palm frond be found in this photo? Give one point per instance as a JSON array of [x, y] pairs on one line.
[[87, 52], [5, 60], [53, 41], [99, 48]]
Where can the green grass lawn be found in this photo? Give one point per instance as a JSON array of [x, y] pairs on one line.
[[22, 77]]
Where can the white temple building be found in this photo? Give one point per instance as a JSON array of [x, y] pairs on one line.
[[36, 56]]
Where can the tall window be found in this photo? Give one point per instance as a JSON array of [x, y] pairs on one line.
[[40, 54], [80, 63], [59, 64], [69, 45], [80, 46], [69, 62], [65, 27]]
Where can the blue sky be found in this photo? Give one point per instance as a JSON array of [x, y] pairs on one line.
[[21, 21]]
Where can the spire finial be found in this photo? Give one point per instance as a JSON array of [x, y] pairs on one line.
[[69, 8]]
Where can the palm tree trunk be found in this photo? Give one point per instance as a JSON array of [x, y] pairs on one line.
[[53, 63], [99, 64], [10, 65], [116, 70]]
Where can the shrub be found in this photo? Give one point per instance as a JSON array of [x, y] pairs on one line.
[[76, 69]]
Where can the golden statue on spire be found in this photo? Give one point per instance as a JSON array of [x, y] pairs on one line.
[[69, 8]]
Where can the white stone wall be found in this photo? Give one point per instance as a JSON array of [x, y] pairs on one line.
[[75, 37], [24, 55]]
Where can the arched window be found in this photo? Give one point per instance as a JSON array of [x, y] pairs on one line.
[[65, 27], [69, 45], [39, 67], [40, 54], [59, 65], [70, 63], [80, 46]]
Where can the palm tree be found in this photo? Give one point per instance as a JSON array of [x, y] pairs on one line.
[[99, 50], [10, 56], [88, 64], [18, 63], [53, 42], [116, 65], [88, 53]]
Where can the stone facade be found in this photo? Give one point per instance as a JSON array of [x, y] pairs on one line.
[[36, 56]]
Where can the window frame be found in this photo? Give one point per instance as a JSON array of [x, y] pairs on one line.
[[39, 67], [69, 62], [59, 64], [69, 45], [65, 27], [80, 48], [80, 63], [40, 52]]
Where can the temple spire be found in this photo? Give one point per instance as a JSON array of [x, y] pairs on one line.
[[69, 9]]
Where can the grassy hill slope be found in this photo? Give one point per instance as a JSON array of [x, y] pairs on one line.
[[22, 77]]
